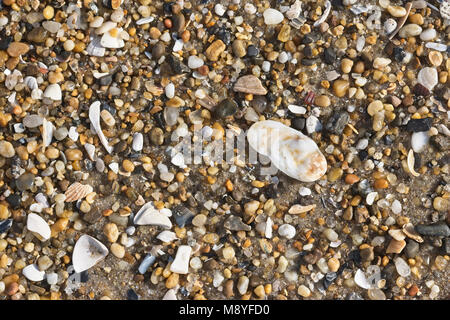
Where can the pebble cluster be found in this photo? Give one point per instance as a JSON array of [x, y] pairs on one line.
[[96, 202]]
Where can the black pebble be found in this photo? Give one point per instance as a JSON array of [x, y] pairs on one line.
[[252, 51], [329, 55], [132, 295], [298, 123], [418, 125], [14, 200], [5, 225]]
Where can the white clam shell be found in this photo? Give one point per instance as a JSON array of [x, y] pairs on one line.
[[38, 226], [32, 273], [361, 280], [149, 215], [47, 132], [290, 151], [87, 252], [181, 262]]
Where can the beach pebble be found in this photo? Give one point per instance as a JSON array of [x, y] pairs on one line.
[[287, 231], [272, 16]]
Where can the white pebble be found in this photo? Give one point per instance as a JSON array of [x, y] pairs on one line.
[[303, 191], [195, 62], [419, 140], [219, 9], [265, 66], [170, 90], [287, 231], [272, 16], [428, 34]]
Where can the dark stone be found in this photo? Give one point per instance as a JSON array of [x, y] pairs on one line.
[[308, 62], [14, 200], [307, 51], [310, 38], [182, 215], [440, 142], [5, 225], [298, 123], [399, 54], [337, 4], [132, 295], [355, 257], [252, 51], [329, 279], [272, 191], [92, 216], [418, 125], [412, 249], [337, 122], [105, 81], [167, 7], [226, 108], [367, 254], [211, 265], [420, 90], [224, 35], [329, 55], [363, 155], [178, 23], [176, 65], [158, 50], [439, 229], [25, 181], [259, 103], [446, 246], [84, 276], [5, 41]]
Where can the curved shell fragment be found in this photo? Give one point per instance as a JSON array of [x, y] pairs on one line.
[[87, 252], [77, 191]]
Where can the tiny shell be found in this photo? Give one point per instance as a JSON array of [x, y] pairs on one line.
[[38, 226], [32, 273], [411, 161], [250, 84], [77, 191], [87, 252], [289, 150], [410, 232], [297, 209]]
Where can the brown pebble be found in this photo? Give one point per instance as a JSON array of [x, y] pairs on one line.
[[16, 49]]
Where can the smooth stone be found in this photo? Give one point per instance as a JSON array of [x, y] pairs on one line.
[[53, 91], [195, 62], [419, 125], [337, 122], [410, 30], [272, 16], [32, 121], [428, 34], [138, 141], [38, 35], [428, 77], [226, 108], [182, 215], [439, 229], [6, 149], [287, 231], [235, 223], [25, 181], [419, 141], [402, 267]]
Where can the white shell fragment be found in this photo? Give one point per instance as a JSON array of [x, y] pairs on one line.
[[94, 117], [181, 262], [32, 273], [47, 132], [87, 252], [170, 295], [38, 226], [289, 150], [428, 77], [149, 215], [324, 15], [410, 161], [108, 41], [419, 141], [77, 191], [361, 280]]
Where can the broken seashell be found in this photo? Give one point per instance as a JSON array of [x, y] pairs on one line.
[[250, 84], [410, 161], [411, 232], [294, 10], [87, 252], [324, 15], [94, 117], [290, 151], [47, 132], [38, 226], [297, 209], [396, 246], [361, 280], [166, 236], [77, 191], [32, 273], [149, 215], [181, 262]]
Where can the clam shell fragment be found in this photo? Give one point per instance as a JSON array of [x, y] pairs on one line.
[[77, 191], [290, 151], [149, 215], [94, 117], [87, 252], [38, 226]]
